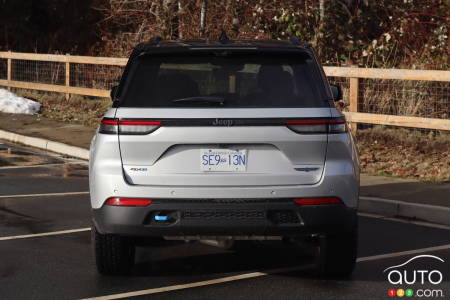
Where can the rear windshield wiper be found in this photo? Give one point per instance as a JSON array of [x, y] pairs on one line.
[[201, 100]]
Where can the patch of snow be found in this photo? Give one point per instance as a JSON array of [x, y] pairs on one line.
[[13, 104]]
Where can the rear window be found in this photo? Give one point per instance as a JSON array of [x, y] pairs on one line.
[[225, 79]]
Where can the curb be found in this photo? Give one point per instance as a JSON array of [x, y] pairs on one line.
[[395, 208], [45, 144]]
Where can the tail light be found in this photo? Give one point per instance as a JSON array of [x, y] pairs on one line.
[[317, 201], [108, 126], [337, 125], [114, 126], [120, 201]]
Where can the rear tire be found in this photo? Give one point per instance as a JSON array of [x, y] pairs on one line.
[[114, 254], [337, 254], [243, 247]]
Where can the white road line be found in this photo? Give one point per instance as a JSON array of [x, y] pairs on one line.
[[197, 284], [370, 215], [31, 166], [403, 253], [44, 195], [254, 275], [420, 223], [15, 237]]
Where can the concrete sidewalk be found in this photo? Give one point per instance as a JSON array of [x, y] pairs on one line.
[[39, 127], [386, 196]]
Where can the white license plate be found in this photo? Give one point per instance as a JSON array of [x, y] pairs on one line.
[[223, 160]]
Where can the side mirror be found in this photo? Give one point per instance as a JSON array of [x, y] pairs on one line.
[[113, 92], [336, 91]]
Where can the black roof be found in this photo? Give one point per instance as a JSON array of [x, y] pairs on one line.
[[158, 43], [230, 43]]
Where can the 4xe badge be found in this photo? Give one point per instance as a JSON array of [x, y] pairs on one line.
[[413, 273], [136, 169]]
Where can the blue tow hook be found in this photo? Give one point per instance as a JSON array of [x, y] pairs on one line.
[[161, 218]]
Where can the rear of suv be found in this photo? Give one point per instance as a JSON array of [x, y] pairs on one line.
[[231, 140]]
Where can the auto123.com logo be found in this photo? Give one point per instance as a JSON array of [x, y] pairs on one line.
[[407, 279]]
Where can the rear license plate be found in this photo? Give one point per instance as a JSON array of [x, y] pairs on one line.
[[223, 160]]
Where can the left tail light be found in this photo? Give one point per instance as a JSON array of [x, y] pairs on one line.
[[121, 201], [114, 126]]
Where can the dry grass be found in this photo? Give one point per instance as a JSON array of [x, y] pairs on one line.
[[78, 109], [405, 98], [405, 153]]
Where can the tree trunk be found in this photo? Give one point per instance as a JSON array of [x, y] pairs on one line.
[[180, 32], [321, 14], [203, 17]]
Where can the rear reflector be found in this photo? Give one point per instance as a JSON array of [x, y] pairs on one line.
[[337, 125], [119, 201], [317, 201], [113, 126]]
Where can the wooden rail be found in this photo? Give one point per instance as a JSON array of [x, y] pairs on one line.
[[55, 88], [403, 121], [399, 74], [354, 74], [92, 60]]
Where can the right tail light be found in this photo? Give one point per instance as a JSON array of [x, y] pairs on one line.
[[312, 126]]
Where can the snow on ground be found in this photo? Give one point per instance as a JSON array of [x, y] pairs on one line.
[[11, 103]]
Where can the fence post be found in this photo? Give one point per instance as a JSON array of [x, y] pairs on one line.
[[9, 70], [67, 75], [354, 90]]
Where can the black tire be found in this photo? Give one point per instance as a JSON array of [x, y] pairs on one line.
[[337, 254], [242, 246], [114, 255]]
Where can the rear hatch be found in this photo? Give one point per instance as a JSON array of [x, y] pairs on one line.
[[223, 119]]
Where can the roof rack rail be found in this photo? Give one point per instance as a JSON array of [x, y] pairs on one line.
[[223, 38], [145, 46], [294, 40]]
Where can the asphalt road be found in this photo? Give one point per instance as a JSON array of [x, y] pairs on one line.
[[45, 250]]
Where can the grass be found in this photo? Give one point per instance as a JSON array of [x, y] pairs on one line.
[[405, 153], [78, 109]]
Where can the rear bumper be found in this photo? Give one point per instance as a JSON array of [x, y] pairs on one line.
[[224, 217]]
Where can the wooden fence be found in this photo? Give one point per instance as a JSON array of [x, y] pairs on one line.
[[354, 75]]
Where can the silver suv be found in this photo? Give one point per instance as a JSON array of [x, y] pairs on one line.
[[224, 140]]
